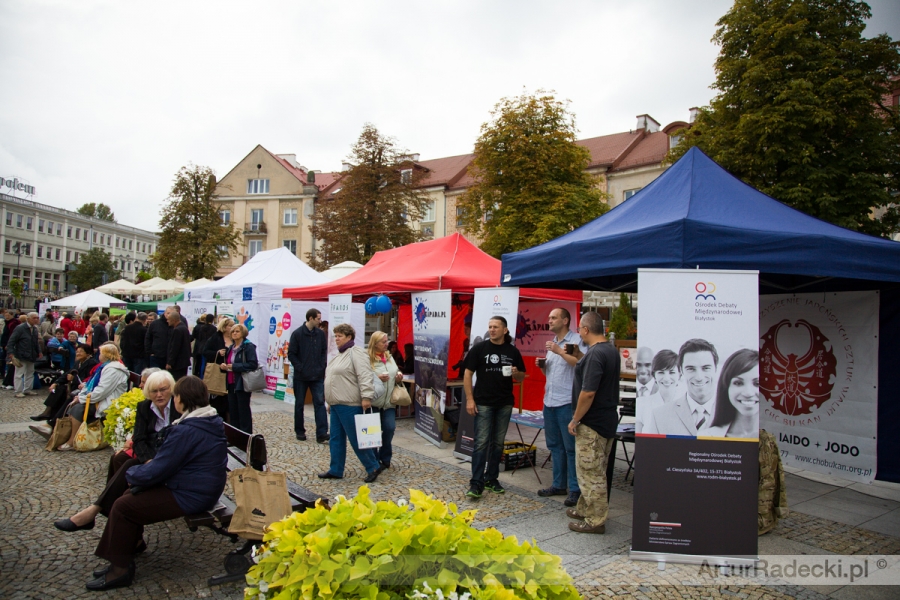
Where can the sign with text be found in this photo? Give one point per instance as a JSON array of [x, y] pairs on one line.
[[698, 431], [281, 325], [431, 336], [819, 374]]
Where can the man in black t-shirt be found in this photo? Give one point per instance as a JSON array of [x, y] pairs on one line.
[[497, 363], [595, 398]]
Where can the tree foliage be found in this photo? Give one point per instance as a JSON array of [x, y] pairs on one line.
[[799, 114], [192, 237], [16, 286], [621, 323], [89, 271], [377, 201], [99, 211], [530, 180]]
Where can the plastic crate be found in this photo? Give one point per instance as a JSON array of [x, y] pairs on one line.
[[515, 457]]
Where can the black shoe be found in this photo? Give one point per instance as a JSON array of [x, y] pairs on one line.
[[301, 437], [328, 475], [473, 493], [40, 417], [101, 572], [385, 466], [322, 440], [494, 486], [69, 526], [101, 584], [572, 499], [371, 477], [552, 491]]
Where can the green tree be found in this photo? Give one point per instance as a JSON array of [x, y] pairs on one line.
[[530, 180], [143, 276], [99, 211], [192, 238], [89, 271], [377, 202], [799, 113], [16, 286], [621, 323]]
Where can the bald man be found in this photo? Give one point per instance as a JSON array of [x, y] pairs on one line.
[[646, 386]]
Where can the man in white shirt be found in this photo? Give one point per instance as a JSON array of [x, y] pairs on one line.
[[559, 368], [645, 386], [693, 413]]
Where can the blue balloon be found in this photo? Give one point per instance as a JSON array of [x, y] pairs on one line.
[[383, 304], [371, 305]]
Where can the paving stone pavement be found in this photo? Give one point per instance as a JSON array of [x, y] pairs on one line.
[[38, 561]]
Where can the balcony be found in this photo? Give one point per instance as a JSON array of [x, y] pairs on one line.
[[255, 228]]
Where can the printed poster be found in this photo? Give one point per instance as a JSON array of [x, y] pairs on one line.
[[697, 434], [431, 336], [818, 377], [487, 303], [225, 308], [281, 325]]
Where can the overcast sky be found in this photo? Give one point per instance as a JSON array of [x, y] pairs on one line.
[[104, 101]]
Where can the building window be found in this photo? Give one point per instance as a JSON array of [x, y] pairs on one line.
[[8, 246], [9, 217], [59, 229], [19, 221], [76, 258], [428, 217], [58, 254], [69, 232], [256, 218], [144, 245], [117, 242], [290, 216], [225, 215], [40, 226], [26, 277], [460, 213], [291, 245], [255, 246], [5, 281], [131, 244], [406, 176], [223, 251], [29, 223], [68, 256], [629, 193], [56, 282], [150, 248], [115, 264], [40, 252], [257, 186], [77, 233]]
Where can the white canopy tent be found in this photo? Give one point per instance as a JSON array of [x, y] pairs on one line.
[[197, 283], [164, 288], [88, 299], [341, 269], [120, 286], [263, 277], [150, 282]]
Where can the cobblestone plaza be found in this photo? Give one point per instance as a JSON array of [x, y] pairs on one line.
[[38, 487]]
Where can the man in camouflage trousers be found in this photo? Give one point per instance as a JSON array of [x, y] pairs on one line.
[[772, 495]]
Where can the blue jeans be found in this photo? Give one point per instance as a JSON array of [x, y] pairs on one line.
[[157, 362], [491, 423], [388, 426], [317, 389], [561, 444], [343, 427]]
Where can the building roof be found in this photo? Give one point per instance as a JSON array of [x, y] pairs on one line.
[[445, 171]]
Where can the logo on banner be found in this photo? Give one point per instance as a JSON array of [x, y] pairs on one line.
[[702, 288], [498, 300], [248, 294], [286, 321], [797, 367], [244, 318], [421, 314]]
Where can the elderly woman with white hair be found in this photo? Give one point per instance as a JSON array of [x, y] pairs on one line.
[[108, 382], [153, 415]]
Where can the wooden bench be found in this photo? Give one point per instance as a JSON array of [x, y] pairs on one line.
[[238, 561]]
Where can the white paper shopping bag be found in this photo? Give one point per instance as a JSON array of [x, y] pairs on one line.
[[368, 430]]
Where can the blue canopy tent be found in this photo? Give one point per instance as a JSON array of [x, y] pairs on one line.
[[696, 214]]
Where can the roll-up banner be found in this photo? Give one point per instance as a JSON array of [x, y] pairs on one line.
[[225, 308], [431, 336], [487, 303], [281, 325], [819, 379], [695, 498]]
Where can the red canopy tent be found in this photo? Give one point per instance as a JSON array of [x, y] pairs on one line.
[[450, 263]]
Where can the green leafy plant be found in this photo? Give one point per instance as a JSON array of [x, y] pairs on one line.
[[621, 322], [387, 550], [120, 416], [16, 286]]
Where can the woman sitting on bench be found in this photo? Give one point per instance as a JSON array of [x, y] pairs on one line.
[[153, 415], [187, 476]]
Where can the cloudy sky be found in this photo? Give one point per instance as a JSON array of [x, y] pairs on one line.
[[103, 101]]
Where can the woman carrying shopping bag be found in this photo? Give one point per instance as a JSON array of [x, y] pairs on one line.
[[388, 374]]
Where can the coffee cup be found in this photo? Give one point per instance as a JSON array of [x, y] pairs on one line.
[[507, 371], [570, 348], [542, 363]]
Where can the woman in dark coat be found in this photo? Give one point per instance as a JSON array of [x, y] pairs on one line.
[[67, 384], [153, 415], [240, 359], [214, 350], [187, 476]]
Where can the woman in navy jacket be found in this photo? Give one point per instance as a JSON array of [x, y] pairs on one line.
[[186, 476], [241, 358]]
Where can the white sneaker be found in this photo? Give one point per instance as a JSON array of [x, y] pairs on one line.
[[8, 387], [31, 393], [20, 395]]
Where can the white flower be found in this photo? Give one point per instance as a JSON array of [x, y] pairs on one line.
[[402, 502], [263, 587]]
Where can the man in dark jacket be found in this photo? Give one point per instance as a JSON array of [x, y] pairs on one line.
[[202, 332], [132, 341], [156, 343], [308, 353], [24, 346], [99, 336], [178, 355]]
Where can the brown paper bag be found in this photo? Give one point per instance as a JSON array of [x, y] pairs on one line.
[[62, 431], [214, 378], [261, 498], [90, 436]]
